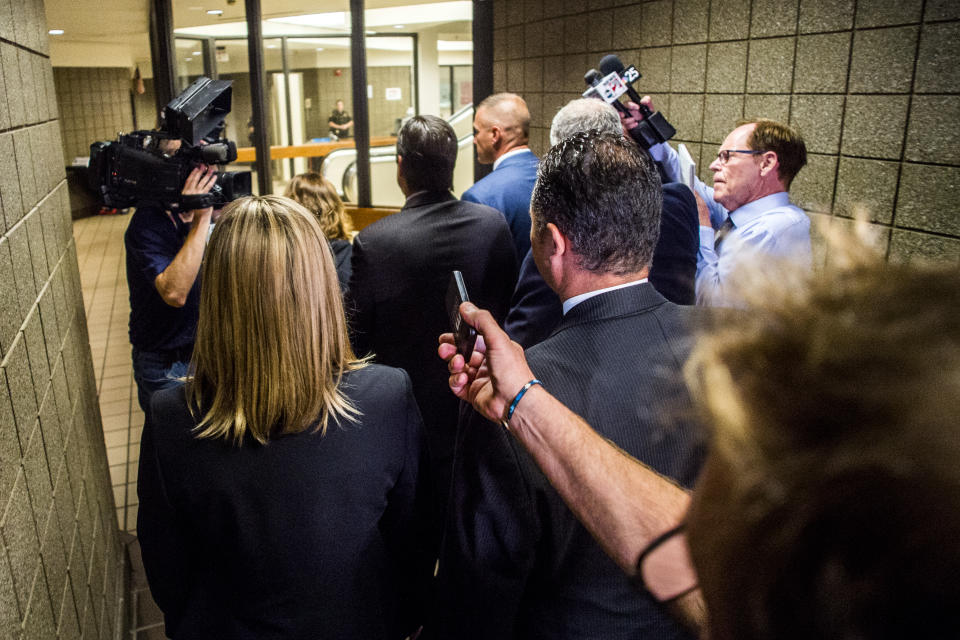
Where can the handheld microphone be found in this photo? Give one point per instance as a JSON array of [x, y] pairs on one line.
[[615, 80], [607, 89], [612, 64]]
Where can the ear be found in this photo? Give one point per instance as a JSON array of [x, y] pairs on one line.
[[769, 162], [400, 179], [496, 134], [557, 244]]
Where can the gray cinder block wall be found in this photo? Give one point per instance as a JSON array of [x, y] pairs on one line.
[[60, 552], [94, 104], [873, 85]]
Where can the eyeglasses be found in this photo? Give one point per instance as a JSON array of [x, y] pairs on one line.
[[724, 154]]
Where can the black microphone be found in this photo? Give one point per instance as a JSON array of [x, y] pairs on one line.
[[615, 80], [593, 79], [612, 64]]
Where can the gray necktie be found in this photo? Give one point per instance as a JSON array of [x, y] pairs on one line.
[[722, 232]]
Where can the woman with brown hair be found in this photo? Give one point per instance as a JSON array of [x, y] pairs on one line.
[[277, 485], [318, 196]]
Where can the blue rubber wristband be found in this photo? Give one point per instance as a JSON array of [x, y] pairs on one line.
[[516, 399]]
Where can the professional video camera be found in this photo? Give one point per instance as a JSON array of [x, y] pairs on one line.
[[141, 166], [611, 82]]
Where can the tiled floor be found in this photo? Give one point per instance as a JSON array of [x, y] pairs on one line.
[[104, 282], [103, 279]]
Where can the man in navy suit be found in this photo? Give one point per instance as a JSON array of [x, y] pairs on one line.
[[516, 563], [501, 133]]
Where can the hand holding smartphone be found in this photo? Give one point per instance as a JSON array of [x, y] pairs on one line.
[[464, 334]]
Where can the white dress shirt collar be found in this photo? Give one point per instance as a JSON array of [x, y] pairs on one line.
[[570, 303], [753, 210], [512, 152]]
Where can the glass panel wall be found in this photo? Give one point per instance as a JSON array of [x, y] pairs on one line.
[[189, 57], [232, 63], [419, 59], [412, 49]]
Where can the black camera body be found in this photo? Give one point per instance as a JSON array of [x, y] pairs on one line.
[[136, 166]]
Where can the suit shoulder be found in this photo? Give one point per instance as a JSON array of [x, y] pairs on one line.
[[171, 417], [482, 189], [383, 226], [681, 317], [169, 401], [378, 383], [482, 212]]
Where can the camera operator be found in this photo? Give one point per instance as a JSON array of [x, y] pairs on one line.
[[164, 254]]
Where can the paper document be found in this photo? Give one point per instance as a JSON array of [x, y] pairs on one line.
[[688, 168]]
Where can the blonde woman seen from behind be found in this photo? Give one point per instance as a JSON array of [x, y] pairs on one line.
[[277, 484], [319, 197]]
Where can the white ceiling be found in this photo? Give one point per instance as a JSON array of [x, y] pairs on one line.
[[125, 22]]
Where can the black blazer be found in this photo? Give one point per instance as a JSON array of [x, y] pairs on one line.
[[305, 537], [516, 563], [401, 269], [535, 309], [342, 252]]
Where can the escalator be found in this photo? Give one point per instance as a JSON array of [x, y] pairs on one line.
[[340, 167]]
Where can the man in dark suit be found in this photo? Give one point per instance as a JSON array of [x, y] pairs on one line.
[[516, 563], [535, 309], [501, 133], [401, 269]]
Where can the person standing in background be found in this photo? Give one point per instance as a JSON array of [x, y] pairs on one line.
[[340, 122]]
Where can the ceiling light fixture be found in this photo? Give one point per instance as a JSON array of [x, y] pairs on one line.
[[55, 32], [215, 12], [319, 48], [398, 26]]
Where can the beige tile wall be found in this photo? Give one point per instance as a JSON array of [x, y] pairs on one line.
[[873, 85], [60, 553], [94, 106]]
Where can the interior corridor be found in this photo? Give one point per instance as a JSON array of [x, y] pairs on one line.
[[103, 279]]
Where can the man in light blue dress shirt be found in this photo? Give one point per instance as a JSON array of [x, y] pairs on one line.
[[748, 209]]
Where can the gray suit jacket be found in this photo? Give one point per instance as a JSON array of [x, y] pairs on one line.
[[516, 563]]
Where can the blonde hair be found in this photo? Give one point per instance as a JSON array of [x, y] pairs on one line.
[[837, 434], [272, 344], [319, 196]]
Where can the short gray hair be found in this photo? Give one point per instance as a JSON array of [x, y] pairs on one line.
[[584, 114]]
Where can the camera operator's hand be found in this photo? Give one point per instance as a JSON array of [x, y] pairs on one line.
[[199, 182], [631, 121], [176, 281]]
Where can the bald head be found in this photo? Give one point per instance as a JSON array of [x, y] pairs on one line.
[[502, 123]]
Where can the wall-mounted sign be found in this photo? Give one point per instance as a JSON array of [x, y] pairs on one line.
[[394, 93]]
